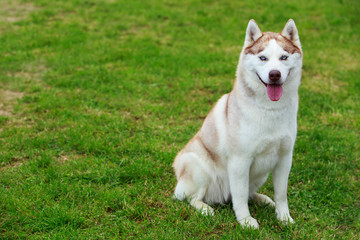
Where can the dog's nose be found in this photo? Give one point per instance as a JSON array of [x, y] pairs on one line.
[[274, 75]]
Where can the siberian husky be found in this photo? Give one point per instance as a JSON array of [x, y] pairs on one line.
[[250, 131]]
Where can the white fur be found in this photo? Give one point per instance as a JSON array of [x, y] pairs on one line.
[[256, 137]]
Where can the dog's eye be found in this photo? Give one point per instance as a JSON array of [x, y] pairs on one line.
[[284, 58], [263, 58]]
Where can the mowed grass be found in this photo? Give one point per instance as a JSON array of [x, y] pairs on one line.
[[97, 97]]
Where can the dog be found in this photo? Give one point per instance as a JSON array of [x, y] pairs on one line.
[[250, 131]]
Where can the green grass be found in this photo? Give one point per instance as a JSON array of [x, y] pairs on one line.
[[97, 97]]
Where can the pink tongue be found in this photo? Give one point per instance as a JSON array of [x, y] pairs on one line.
[[274, 91]]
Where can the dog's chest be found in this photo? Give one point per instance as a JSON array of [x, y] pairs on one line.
[[268, 152], [267, 138]]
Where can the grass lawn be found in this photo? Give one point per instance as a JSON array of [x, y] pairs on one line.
[[97, 97]]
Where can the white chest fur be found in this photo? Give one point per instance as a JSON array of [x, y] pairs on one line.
[[265, 136]]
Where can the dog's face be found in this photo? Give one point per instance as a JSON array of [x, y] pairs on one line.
[[270, 58]]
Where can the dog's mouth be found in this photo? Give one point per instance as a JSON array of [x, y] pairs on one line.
[[274, 91]]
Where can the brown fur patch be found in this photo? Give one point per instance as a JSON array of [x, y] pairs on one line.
[[260, 44], [227, 107], [211, 134], [211, 154], [183, 171], [288, 45]]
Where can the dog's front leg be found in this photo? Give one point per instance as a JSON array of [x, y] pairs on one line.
[[239, 170], [280, 180]]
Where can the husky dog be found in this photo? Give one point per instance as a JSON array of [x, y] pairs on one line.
[[250, 131]]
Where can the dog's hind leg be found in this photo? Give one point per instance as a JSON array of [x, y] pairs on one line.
[[261, 198], [185, 189], [193, 183], [257, 197], [198, 203]]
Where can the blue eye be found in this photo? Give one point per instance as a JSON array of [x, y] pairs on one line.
[[283, 58], [263, 58]]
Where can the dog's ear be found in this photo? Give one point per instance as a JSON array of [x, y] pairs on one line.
[[290, 32], [253, 32]]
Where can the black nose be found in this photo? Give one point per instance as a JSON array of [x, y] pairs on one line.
[[274, 75]]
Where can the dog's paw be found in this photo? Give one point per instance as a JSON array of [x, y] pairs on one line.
[[249, 222], [285, 219], [207, 211]]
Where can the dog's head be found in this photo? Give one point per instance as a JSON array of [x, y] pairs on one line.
[[272, 59]]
